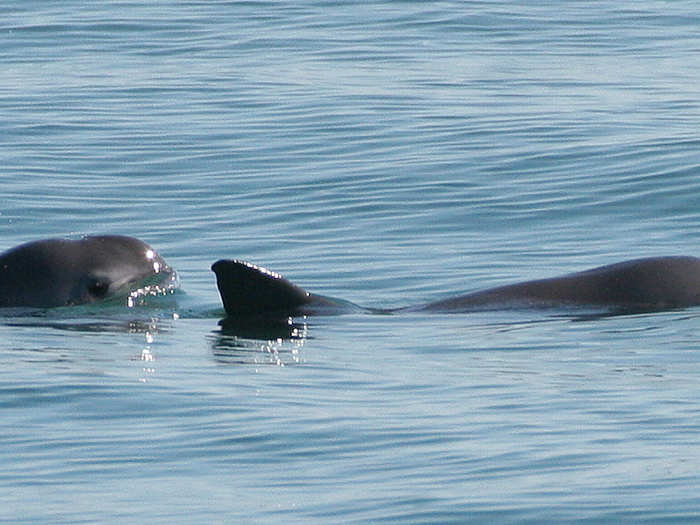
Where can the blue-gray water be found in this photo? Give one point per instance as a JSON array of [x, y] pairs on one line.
[[389, 153]]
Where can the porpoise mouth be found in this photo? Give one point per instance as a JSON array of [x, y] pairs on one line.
[[156, 285], [162, 282], [159, 279]]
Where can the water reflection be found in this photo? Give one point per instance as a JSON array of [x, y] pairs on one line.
[[130, 326], [147, 358], [263, 328], [259, 341], [54, 338]]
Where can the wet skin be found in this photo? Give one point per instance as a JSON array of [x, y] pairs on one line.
[[655, 283], [63, 272]]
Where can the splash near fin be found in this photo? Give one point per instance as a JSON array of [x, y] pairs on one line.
[[247, 289]]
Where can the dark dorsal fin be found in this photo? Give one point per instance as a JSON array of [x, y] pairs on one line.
[[247, 289]]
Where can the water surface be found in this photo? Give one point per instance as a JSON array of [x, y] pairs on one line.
[[389, 153]]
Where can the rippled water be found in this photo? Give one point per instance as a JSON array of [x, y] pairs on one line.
[[387, 153]]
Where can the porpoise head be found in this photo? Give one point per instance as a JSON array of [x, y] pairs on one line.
[[63, 272]]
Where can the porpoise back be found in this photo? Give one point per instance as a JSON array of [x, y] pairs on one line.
[[654, 283], [649, 283]]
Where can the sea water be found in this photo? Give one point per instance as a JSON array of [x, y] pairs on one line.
[[389, 153]]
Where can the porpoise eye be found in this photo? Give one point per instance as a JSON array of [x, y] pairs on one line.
[[98, 289]]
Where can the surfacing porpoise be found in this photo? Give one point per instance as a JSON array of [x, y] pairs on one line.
[[64, 272], [656, 283]]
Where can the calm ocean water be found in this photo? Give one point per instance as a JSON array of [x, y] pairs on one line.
[[389, 153]]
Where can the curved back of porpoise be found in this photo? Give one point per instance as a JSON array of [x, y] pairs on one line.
[[652, 283], [64, 272]]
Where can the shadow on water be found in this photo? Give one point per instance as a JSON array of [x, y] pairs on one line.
[[146, 319], [589, 315], [84, 328], [131, 326], [259, 340], [265, 328], [250, 340]]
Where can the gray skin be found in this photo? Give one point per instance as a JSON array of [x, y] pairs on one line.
[[62, 272], [657, 283]]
